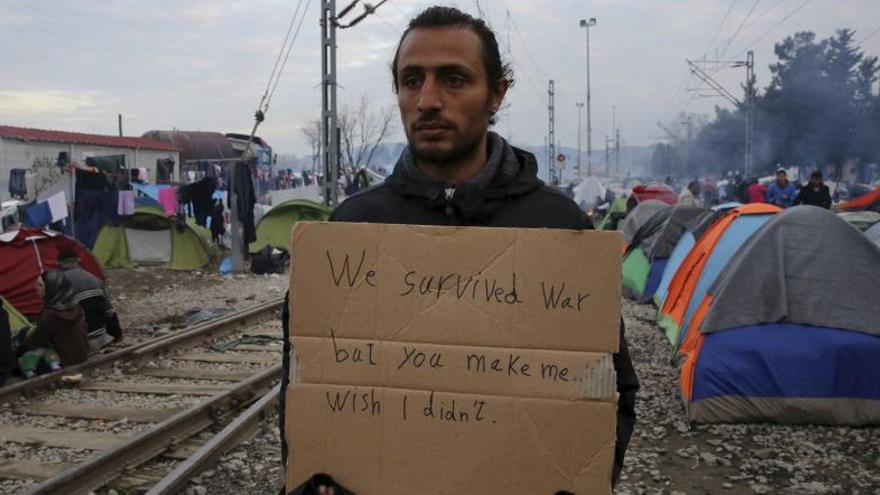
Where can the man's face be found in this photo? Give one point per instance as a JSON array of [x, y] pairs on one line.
[[816, 181], [443, 93], [780, 178]]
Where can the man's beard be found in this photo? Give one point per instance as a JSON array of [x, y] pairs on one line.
[[442, 158]]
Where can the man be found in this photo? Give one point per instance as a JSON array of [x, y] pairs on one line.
[[691, 194], [815, 193], [450, 83], [90, 293], [781, 192], [740, 190]]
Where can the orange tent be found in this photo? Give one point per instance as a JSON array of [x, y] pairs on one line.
[[863, 202], [672, 314]]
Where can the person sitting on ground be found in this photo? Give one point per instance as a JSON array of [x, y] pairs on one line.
[[91, 294], [691, 194], [814, 193], [60, 337], [781, 191]]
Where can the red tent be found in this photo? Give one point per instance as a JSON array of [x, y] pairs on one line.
[[25, 254], [660, 192]]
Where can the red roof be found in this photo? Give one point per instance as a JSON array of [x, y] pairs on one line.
[[48, 136]]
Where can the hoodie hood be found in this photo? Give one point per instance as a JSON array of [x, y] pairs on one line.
[[509, 173]]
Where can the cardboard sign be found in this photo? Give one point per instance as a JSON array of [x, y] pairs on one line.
[[520, 288], [449, 368], [438, 360], [384, 441]]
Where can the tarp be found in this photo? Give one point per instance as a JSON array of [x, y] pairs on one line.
[[862, 220], [190, 243], [814, 269], [28, 252], [273, 229], [864, 202], [660, 192]]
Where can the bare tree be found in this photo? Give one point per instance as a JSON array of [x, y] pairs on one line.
[[312, 134], [362, 130]]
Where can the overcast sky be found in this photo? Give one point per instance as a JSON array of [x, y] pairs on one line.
[[203, 64]]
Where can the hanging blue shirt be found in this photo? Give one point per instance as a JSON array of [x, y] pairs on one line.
[[38, 215]]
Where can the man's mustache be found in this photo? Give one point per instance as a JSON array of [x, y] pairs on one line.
[[432, 122]]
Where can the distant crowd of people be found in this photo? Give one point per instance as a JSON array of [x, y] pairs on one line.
[[780, 192], [77, 318]]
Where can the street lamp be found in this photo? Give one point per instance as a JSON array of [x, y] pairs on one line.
[[587, 25], [579, 106]]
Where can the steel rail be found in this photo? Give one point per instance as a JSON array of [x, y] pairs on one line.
[[144, 349], [233, 434], [109, 464]]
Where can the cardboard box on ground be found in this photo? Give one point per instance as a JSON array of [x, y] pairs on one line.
[[438, 360]]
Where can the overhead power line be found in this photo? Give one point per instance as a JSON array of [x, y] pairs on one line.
[[775, 26], [869, 36]]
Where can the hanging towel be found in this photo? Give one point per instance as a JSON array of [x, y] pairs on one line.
[[142, 174], [39, 215], [126, 202], [58, 206], [168, 200]]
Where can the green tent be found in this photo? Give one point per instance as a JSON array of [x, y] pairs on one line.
[[149, 237], [616, 212], [275, 226]]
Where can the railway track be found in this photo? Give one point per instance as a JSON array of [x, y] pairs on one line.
[[145, 415]]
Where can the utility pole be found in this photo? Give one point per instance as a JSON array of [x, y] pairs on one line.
[[329, 141], [748, 105], [329, 117], [551, 133], [617, 150], [579, 106], [120, 125], [750, 114], [587, 25], [608, 142]]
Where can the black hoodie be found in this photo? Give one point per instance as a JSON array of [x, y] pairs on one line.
[[506, 193]]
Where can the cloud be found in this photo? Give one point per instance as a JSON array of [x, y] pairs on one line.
[[48, 104]]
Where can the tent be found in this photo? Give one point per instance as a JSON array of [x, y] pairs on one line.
[[862, 220], [806, 349], [869, 201], [660, 192], [638, 216], [873, 234], [704, 262], [616, 212], [28, 252], [647, 255], [274, 227], [589, 193], [149, 237], [696, 227]]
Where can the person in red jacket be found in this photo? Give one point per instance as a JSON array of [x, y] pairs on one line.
[[757, 192]]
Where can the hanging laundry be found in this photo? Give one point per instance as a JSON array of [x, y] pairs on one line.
[[199, 195], [164, 170], [168, 200], [243, 188], [143, 175], [18, 183], [58, 206], [38, 215], [93, 210], [126, 202]]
